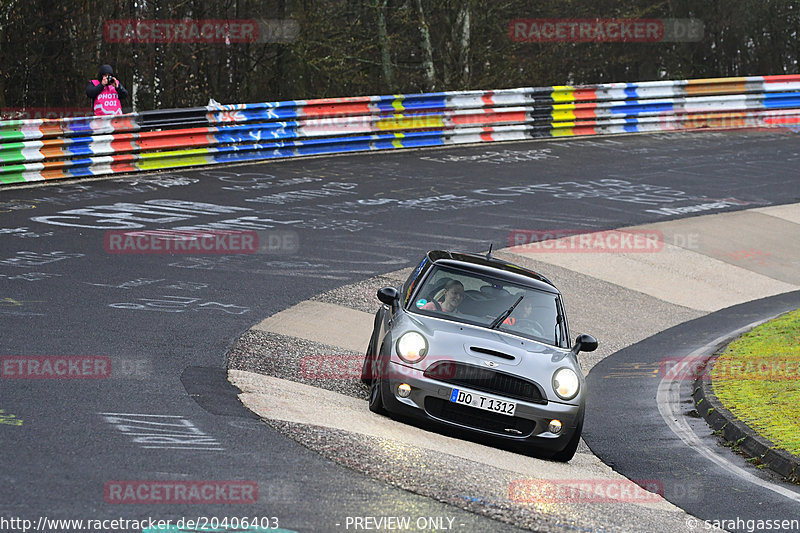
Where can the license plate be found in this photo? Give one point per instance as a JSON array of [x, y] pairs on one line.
[[483, 402]]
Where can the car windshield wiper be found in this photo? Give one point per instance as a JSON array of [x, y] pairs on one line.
[[557, 332], [497, 321]]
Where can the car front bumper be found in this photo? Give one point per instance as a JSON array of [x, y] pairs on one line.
[[430, 400]]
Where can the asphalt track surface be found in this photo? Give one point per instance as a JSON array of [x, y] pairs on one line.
[[167, 322], [629, 382]]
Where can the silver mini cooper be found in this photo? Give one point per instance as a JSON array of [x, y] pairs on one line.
[[479, 344]]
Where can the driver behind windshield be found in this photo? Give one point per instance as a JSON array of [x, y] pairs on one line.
[[450, 299], [525, 312]]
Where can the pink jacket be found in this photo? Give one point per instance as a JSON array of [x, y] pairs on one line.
[[107, 102]]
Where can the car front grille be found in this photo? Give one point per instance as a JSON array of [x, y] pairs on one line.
[[485, 380], [464, 415]]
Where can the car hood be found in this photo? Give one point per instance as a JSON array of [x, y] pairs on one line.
[[494, 349]]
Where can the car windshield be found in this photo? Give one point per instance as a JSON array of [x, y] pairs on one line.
[[480, 300]]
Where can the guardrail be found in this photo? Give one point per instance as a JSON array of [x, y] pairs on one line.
[[36, 150]]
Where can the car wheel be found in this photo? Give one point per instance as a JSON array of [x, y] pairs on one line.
[[366, 371], [368, 368], [376, 398], [569, 451]]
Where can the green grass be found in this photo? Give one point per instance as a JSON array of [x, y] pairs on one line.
[[757, 379]]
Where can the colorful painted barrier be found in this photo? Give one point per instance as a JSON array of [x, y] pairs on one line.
[[35, 150]]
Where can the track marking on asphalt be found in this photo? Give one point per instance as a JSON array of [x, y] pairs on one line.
[[668, 400], [165, 432]]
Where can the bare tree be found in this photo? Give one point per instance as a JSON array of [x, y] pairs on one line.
[[383, 42], [427, 49], [462, 22]]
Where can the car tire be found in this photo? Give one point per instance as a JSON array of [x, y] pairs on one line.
[[376, 398], [569, 450], [366, 372], [368, 368]]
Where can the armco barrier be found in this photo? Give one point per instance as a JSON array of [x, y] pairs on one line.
[[35, 150]]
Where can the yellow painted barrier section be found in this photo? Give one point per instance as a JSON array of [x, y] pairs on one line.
[[563, 113], [175, 158], [400, 122], [563, 93], [398, 143], [398, 103], [563, 130]]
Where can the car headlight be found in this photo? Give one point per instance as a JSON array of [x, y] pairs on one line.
[[566, 383], [412, 347]]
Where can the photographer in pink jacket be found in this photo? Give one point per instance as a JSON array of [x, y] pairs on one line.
[[106, 92]]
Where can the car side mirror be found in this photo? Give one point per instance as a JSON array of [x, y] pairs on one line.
[[584, 343], [389, 296]]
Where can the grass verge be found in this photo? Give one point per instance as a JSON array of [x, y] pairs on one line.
[[757, 379]]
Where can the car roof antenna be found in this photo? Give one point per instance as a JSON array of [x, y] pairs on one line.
[[489, 253]]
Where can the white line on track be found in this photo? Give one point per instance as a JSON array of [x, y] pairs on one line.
[[668, 400], [184, 448], [140, 414]]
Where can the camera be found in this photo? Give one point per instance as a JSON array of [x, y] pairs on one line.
[[110, 79]]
